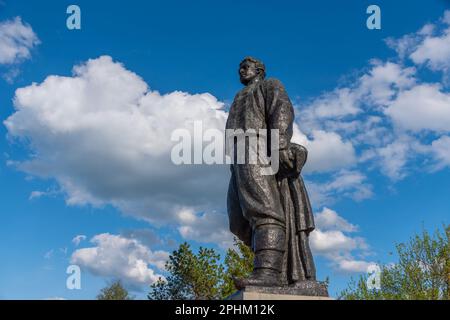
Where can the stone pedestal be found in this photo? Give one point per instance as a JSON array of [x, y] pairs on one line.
[[305, 290]]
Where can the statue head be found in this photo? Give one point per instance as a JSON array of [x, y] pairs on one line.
[[251, 70]]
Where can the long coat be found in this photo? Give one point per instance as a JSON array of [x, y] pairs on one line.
[[253, 198]]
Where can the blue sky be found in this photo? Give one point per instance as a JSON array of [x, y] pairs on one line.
[[373, 113]]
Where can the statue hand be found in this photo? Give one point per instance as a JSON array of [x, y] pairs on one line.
[[285, 160]]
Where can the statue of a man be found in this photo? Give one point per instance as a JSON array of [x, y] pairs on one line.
[[270, 212]]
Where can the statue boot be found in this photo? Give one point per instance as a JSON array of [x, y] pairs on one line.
[[269, 246]]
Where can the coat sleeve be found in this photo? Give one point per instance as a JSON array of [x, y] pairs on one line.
[[280, 113]]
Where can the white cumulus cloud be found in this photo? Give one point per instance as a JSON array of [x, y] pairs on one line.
[[118, 257], [328, 219], [333, 240], [16, 41], [78, 239], [434, 50], [205, 227], [344, 183], [327, 151], [441, 150], [105, 137], [423, 107]]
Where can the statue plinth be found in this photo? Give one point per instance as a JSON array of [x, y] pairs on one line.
[[304, 290]]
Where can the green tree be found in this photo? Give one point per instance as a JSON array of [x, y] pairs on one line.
[[238, 263], [202, 276], [192, 276], [114, 291], [422, 272]]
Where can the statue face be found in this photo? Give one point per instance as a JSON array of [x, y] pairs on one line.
[[247, 72]]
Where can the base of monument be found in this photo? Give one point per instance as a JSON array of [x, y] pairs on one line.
[[304, 290]]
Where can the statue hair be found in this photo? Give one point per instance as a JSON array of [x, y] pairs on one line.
[[259, 65]]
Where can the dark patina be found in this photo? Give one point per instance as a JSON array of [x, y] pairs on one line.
[[271, 213]]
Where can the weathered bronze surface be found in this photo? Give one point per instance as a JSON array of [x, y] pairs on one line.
[[271, 213]]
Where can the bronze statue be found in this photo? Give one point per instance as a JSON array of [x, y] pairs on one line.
[[271, 213]]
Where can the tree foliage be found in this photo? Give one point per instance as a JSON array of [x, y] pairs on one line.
[[114, 291], [192, 276], [422, 272], [201, 276], [238, 263]]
